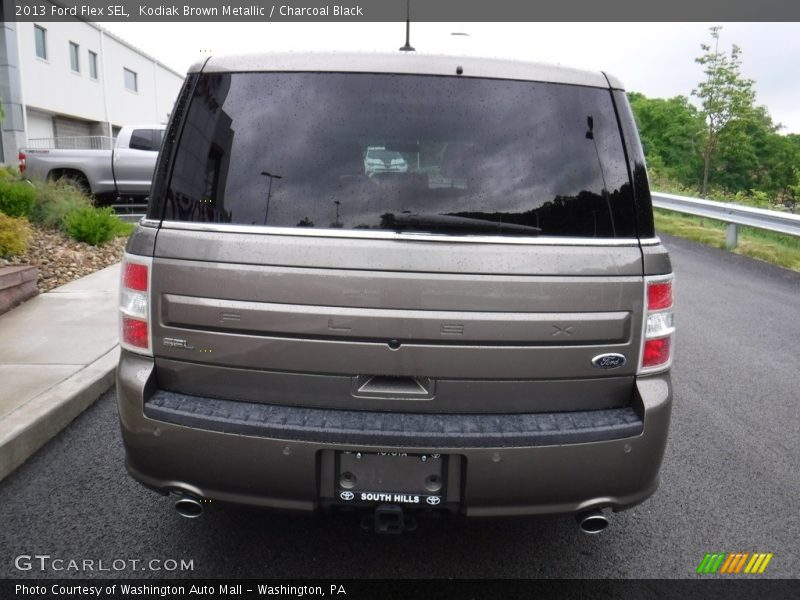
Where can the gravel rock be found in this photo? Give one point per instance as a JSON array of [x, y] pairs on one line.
[[61, 259]]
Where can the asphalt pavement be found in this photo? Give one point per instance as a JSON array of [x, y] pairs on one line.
[[730, 480]]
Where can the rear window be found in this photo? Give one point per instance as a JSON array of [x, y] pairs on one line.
[[452, 155]]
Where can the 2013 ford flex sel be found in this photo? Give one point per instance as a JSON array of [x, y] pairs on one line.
[[486, 329]]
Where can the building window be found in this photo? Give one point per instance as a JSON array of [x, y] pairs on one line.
[[74, 57], [92, 64], [40, 34], [131, 82]]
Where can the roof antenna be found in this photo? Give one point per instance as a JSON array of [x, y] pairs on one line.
[[408, 47]]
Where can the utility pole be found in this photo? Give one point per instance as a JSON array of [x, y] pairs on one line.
[[269, 191]]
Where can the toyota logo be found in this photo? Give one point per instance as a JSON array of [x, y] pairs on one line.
[[346, 495], [433, 500]]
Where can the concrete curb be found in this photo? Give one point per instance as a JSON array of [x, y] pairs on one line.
[[36, 422]]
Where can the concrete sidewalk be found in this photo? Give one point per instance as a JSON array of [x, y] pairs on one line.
[[58, 353]]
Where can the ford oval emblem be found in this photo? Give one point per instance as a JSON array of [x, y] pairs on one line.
[[609, 361]]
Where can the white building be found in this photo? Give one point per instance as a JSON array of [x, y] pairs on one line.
[[62, 80]]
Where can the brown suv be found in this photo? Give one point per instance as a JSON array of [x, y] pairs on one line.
[[487, 330]]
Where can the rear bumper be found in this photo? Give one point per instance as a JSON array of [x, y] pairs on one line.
[[280, 457]]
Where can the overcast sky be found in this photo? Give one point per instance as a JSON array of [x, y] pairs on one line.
[[656, 59]]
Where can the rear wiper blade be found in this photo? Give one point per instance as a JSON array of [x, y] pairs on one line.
[[450, 222]]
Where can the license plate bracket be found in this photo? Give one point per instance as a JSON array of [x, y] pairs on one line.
[[368, 478]]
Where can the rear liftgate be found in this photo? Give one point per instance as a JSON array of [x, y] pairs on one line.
[[309, 326]]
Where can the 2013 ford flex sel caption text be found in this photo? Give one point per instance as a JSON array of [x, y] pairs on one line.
[[398, 282]]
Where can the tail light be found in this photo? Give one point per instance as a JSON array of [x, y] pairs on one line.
[[22, 161], [134, 304], [659, 325]]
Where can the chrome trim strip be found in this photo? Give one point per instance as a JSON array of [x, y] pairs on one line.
[[653, 241], [391, 235]]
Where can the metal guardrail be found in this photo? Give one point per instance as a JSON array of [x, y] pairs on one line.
[[131, 218], [732, 214], [73, 142], [131, 212]]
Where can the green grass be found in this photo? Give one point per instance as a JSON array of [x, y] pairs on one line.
[[781, 250]]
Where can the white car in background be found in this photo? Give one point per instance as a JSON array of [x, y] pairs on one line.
[[380, 160]]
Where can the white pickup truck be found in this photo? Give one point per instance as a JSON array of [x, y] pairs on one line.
[[124, 171]]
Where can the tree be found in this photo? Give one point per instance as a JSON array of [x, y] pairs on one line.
[[672, 131], [790, 163], [725, 96], [746, 153]]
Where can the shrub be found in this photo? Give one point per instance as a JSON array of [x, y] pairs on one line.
[[125, 228], [16, 197], [54, 201], [94, 226], [9, 172], [14, 234]]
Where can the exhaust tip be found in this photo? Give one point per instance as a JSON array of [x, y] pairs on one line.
[[592, 522], [188, 507]]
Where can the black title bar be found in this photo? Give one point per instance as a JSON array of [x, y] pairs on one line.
[[710, 588], [395, 10]]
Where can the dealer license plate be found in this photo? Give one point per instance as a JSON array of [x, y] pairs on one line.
[[391, 478]]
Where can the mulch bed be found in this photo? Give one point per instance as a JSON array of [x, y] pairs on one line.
[[60, 259]]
